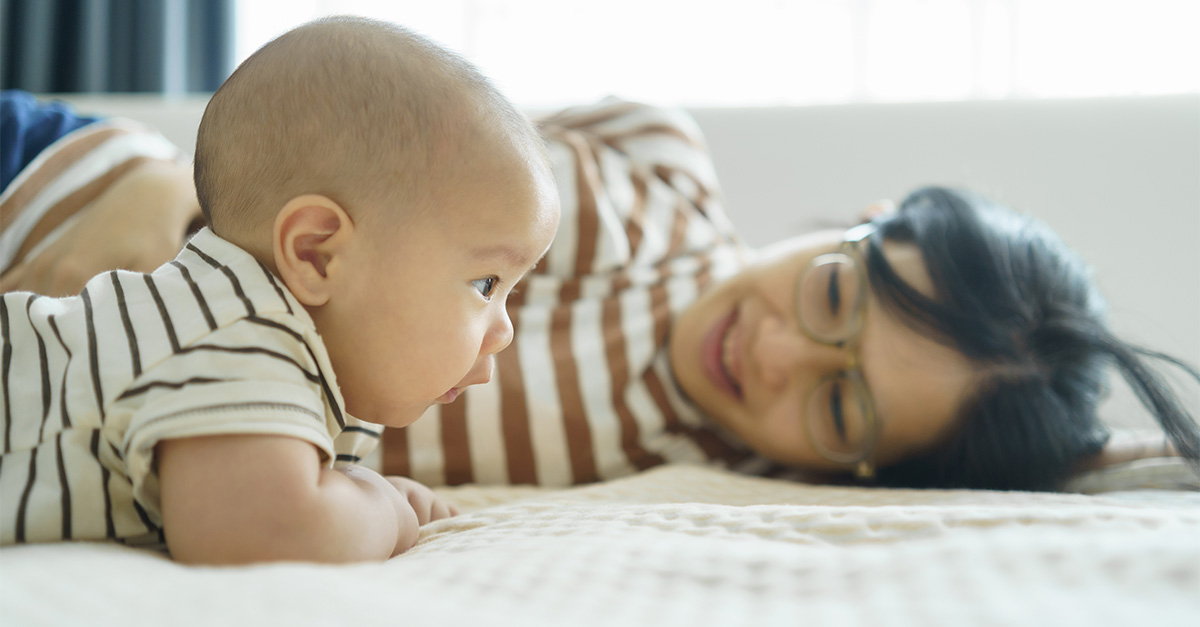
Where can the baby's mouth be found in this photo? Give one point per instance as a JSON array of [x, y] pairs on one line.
[[448, 397]]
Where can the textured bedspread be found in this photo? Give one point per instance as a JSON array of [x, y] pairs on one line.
[[681, 546]]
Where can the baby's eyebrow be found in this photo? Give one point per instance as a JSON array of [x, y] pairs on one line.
[[535, 263], [507, 254]]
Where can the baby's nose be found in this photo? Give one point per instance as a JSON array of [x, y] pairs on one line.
[[499, 335]]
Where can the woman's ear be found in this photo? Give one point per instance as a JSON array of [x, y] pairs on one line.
[[311, 236]]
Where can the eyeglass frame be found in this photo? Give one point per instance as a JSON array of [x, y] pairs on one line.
[[864, 467]]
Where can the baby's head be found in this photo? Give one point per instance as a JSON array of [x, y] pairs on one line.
[[394, 190]]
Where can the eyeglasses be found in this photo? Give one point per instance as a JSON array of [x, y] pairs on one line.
[[831, 307]]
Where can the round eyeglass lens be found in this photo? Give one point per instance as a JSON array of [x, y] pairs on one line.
[[829, 298], [836, 419]]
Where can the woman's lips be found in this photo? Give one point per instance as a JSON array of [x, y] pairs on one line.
[[719, 341], [448, 397], [733, 353]]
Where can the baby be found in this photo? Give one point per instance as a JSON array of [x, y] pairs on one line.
[[371, 200]]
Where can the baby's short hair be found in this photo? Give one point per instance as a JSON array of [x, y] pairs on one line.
[[359, 110]]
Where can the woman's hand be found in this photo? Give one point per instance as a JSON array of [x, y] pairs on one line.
[[876, 209], [1127, 446], [138, 223]]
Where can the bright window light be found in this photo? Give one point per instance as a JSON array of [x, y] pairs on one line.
[[548, 53], [919, 50]]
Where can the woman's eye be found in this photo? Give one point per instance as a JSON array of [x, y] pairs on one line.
[[834, 291], [486, 286], [836, 412]]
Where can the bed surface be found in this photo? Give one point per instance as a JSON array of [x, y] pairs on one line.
[[681, 546]]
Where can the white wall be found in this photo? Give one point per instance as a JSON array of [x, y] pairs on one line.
[[1118, 178]]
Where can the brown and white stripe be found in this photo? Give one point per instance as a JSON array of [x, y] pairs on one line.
[[67, 176], [584, 392]]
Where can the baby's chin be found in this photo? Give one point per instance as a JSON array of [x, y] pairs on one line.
[[394, 416]]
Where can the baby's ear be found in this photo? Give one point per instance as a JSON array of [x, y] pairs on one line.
[[310, 237]]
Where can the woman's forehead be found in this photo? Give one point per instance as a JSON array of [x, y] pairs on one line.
[[791, 256], [787, 249], [908, 263]]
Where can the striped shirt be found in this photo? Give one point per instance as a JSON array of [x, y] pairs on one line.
[[585, 391], [210, 343]]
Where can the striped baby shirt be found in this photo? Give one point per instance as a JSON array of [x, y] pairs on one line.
[[210, 343], [585, 391]]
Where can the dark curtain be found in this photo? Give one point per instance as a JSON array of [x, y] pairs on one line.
[[163, 46]]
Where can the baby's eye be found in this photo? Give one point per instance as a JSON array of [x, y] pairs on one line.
[[486, 286]]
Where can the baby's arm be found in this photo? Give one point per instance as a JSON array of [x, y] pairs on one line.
[[237, 499]]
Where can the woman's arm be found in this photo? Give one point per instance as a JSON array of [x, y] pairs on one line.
[[138, 223]]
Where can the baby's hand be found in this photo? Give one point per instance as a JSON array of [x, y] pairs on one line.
[[427, 505]]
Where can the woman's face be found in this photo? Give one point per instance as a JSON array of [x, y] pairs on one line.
[[740, 354]]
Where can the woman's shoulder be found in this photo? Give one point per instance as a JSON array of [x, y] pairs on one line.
[[637, 188], [615, 118]]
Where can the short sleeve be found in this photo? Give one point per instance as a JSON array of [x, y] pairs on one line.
[[242, 379]]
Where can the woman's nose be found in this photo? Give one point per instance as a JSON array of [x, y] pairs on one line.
[[780, 350]]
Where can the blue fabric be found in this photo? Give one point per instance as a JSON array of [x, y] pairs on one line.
[[27, 127]]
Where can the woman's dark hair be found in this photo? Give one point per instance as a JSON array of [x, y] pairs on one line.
[[1018, 303]]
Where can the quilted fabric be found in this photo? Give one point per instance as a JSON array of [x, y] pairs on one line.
[[682, 545]]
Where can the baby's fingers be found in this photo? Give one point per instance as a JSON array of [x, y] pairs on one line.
[[425, 504], [442, 509], [421, 506]]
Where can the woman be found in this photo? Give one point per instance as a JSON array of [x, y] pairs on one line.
[[950, 343], [947, 344]]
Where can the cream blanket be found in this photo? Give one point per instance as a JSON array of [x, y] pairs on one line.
[[680, 546]]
